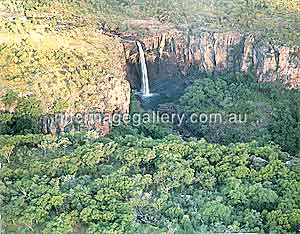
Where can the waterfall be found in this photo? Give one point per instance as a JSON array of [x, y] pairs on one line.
[[145, 81]]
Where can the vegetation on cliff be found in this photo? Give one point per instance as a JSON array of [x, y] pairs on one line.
[[54, 53], [276, 20]]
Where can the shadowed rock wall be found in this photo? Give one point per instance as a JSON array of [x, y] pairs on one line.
[[217, 53]]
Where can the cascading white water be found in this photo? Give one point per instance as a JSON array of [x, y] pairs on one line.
[[145, 81]]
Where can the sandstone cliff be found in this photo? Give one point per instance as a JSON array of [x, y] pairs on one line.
[[216, 53]]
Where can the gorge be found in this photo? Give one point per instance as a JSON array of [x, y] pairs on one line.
[[165, 58]]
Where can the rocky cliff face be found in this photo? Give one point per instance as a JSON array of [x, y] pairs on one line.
[[216, 53]]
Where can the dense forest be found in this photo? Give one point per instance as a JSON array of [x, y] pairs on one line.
[[160, 177], [82, 184]]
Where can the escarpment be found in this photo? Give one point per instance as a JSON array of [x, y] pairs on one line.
[[218, 52]]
